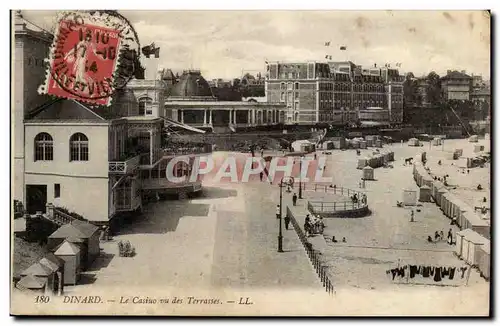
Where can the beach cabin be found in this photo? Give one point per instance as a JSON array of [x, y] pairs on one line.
[[470, 242], [362, 162], [328, 145], [473, 139], [425, 194], [473, 221], [368, 173], [413, 142], [478, 148], [33, 283], [409, 197], [437, 141], [435, 187], [483, 258], [70, 253], [426, 179], [83, 233], [40, 276], [439, 196], [338, 142]]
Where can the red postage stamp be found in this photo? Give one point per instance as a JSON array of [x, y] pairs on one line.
[[85, 57]]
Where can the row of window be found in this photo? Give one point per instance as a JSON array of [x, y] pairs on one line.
[[290, 86], [78, 147], [289, 96]]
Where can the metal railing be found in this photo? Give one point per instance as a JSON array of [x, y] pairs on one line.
[[314, 256], [321, 206], [187, 151], [325, 207], [124, 167]]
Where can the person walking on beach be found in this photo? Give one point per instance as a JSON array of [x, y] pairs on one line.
[[287, 221], [294, 199], [261, 176]]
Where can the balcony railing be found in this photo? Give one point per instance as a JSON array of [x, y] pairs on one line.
[[195, 150], [124, 167]]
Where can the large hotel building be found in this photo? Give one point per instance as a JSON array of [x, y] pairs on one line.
[[336, 92]]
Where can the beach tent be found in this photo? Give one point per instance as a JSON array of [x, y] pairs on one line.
[[368, 173]]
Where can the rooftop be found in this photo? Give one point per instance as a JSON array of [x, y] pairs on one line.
[[191, 84]]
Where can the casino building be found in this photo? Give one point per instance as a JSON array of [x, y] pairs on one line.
[[190, 101]]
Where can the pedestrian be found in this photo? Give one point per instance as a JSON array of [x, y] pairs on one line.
[[294, 199], [278, 211], [333, 239], [450, 236], [261, 176], [287, 221], [441, 234], [344, 240], [315, 156], [412, 216]]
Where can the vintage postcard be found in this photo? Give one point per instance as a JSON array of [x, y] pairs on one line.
[[250, 163]]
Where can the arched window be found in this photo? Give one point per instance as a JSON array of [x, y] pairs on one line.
[[297, 86], [44, 147], [143, 103], [79, 147]]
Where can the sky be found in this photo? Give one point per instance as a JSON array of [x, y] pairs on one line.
[[223, 44]]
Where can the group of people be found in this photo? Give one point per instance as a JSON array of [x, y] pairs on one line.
[[315, 226], [439, 236]]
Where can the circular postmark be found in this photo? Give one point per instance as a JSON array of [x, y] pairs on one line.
[[94, 53]]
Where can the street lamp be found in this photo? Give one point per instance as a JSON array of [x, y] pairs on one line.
[[280, 235], [300, 177]]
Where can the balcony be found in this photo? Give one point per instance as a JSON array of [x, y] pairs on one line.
[[124, 167]]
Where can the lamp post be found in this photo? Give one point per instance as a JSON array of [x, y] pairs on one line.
[[300, 177], [280, 235]]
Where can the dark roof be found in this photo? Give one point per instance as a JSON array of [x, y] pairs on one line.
[[32, 282], [75, 229], [456, 75], [191, 84], [69, 109]]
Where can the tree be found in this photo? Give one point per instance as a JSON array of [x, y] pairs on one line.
[[409, 90], [434, 88]]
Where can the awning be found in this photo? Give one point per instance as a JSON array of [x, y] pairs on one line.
[[170, 122]]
